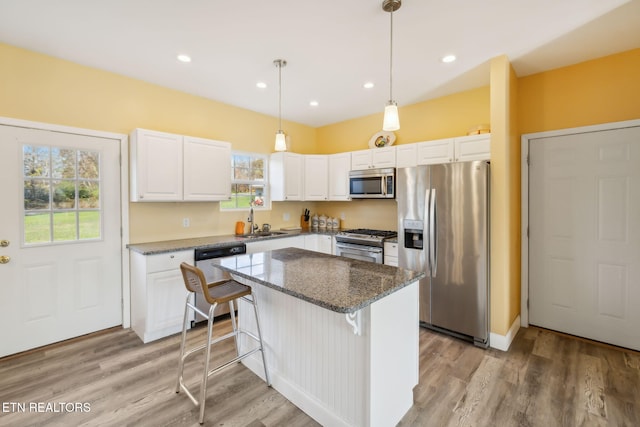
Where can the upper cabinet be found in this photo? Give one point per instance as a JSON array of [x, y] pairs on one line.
[[169, 168], [384, 157], [461, 149], [438, 151], [316, 177], [476, 147], [286, 176], [339, 167], [207, 169]]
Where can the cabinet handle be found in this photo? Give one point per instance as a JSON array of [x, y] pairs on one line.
[[172, 256]]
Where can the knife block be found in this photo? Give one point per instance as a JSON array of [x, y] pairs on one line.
[[304, 224]]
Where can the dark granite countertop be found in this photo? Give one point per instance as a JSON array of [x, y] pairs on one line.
[[339, 284], [152, 248]]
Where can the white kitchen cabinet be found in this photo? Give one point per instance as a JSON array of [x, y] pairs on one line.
[[406, 155], [277, 243], [286, 176], [339, 167], [460, 149], [391, 253], [316, 177], [319, 243], [170, 168], [156, 166], [207, 169], [435, 152], [384, 157], [475, 147], [157, 293]]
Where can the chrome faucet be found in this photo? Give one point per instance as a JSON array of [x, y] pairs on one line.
[[252, 227]]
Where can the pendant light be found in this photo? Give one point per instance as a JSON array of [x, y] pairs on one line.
[[391, 119], [281, 142]]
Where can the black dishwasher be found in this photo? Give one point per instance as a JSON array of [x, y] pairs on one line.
[[203, 257]]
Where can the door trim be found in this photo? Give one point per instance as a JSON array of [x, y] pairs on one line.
[[124, 195], [525, 140]]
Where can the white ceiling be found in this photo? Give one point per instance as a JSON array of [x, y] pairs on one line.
[[332, 47]]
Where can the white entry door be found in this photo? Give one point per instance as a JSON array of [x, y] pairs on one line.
[[60, 264], [584, 235]]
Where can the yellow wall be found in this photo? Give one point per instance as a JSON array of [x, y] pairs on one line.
[[599, 91], [505, 197], [45, 89]]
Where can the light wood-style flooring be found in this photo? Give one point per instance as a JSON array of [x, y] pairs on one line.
[[545, 379]]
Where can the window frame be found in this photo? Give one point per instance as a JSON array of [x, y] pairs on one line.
[[264, 183]]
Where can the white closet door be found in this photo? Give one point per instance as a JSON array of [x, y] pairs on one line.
[[584, 235]]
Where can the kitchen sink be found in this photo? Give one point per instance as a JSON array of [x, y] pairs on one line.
[[263, 234]]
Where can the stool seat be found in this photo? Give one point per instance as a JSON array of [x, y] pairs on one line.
[[225, 291]]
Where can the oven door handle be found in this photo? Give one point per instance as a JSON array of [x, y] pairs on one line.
[[361, 248]]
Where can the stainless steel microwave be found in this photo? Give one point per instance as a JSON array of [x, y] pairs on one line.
[[373, 184]]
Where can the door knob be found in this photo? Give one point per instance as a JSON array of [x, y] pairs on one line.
[[4, 259], [4, 243]]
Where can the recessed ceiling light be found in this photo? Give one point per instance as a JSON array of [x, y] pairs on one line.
[[261, 85], [313, 103], [448, 58], [368, 85], [184, 58]]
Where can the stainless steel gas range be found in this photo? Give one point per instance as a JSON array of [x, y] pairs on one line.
[[363, 244]]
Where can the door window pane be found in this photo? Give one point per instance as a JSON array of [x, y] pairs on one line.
[[61, 194]]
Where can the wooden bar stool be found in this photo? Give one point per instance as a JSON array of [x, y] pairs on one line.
[[215, 293]]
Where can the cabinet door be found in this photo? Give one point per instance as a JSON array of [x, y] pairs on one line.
[[361, 159], [207, 169], [339, 167], [156, 166], [406, 155], [316, 180], [383, 157], [325, 244], [476, 147], [166, 296], [286, 176], [434, 152]]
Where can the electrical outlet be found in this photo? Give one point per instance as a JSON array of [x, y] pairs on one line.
[[286, 216], [185, 222], [342, 216]]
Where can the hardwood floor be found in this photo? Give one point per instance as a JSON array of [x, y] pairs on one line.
[[545, 379]]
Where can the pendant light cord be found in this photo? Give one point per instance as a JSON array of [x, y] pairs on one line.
[[280, 95], [391, 57]]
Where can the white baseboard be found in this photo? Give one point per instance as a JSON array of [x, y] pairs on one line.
[[502, 342]]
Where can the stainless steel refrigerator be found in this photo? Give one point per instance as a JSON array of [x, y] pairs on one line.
[[443, 230]]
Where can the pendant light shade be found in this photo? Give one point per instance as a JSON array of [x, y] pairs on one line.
[[281, 141], [391, 119]]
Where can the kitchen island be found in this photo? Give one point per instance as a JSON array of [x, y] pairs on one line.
[[341, 335]]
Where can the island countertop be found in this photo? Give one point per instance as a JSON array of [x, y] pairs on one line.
[[339, 284]]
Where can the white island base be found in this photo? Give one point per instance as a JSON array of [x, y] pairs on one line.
[[336, 374]]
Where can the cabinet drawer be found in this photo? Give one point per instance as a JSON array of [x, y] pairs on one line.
[[168, 261], [391, 249]]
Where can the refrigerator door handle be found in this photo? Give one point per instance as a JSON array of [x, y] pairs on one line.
[[433, 233], [427, 229]]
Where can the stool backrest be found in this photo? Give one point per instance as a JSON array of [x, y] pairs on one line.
[[194, 279]]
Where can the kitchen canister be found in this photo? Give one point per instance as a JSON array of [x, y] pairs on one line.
[[314, 222], [322, 222], [335, 223]]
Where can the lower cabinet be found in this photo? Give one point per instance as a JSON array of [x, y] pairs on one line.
[[391, 253], [319, 243], [157, 293], [279, 243]]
